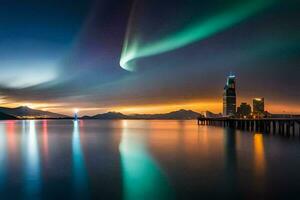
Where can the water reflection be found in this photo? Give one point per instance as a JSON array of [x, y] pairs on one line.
[[139, 160], [79, 168], [259, 154], [259, 161], [3, 155], [230, 161], [45, 140], [12, 139], [32, 161], [142, 177], [230, 150]]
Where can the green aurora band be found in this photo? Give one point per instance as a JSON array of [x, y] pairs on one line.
[[199, 30]]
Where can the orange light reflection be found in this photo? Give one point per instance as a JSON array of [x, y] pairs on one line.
[[12, 139], [259, 155], [45, 138]]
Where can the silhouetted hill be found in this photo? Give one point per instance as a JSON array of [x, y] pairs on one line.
[[180, 114], [86, 117], [26, 112], [110, 115], [4, 116]]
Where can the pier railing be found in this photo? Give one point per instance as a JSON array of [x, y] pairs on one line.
[[285, 126]]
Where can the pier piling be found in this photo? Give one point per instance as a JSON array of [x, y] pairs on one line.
[[282, 126]]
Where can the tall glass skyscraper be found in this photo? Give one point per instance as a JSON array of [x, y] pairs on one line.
[[229, 97]]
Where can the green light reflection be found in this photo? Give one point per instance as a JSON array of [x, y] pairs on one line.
[[79, 168], [142, 177]]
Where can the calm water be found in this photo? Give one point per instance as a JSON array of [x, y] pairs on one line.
[[130, 159]]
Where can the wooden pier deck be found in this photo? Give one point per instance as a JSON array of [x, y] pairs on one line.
[[284, 126]]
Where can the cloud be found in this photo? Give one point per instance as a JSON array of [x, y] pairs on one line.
[[86, 73]]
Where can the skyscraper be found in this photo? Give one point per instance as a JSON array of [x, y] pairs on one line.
[[229, 97], [258, 107], [244, 110]]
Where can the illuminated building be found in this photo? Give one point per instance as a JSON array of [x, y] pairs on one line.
[[229, 97], [244, 110], [258, 107]]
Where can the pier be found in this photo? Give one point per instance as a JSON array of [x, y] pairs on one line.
[[282, 126]]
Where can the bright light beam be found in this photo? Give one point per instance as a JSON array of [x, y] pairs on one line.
[[132, 48]]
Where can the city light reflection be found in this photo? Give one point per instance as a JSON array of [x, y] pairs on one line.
[[79, 168], [259, 155], [45, 139], [3, 154], [231, 159], [12, 139], [142, 177], [32, 161]]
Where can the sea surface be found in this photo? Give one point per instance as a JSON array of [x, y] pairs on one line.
[[144, 159]]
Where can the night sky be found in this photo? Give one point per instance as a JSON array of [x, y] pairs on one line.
[[148, 56]]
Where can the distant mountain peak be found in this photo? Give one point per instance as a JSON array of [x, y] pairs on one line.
[[182, 111], [23, 108], [110, 115], [179, 114], [26, 112]]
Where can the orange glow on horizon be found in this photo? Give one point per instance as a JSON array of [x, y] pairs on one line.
[[197, 106], [164, 108]]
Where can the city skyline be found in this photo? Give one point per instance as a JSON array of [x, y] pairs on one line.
[[67, 56], [149, 99], [230, 106]]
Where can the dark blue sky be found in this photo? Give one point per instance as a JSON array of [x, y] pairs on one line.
[[64, 54], [50, 25]]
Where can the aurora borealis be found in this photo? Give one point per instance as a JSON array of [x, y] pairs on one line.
[[198, 30], [148, 56]]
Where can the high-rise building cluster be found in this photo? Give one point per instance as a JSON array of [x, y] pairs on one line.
[[244, 110]]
